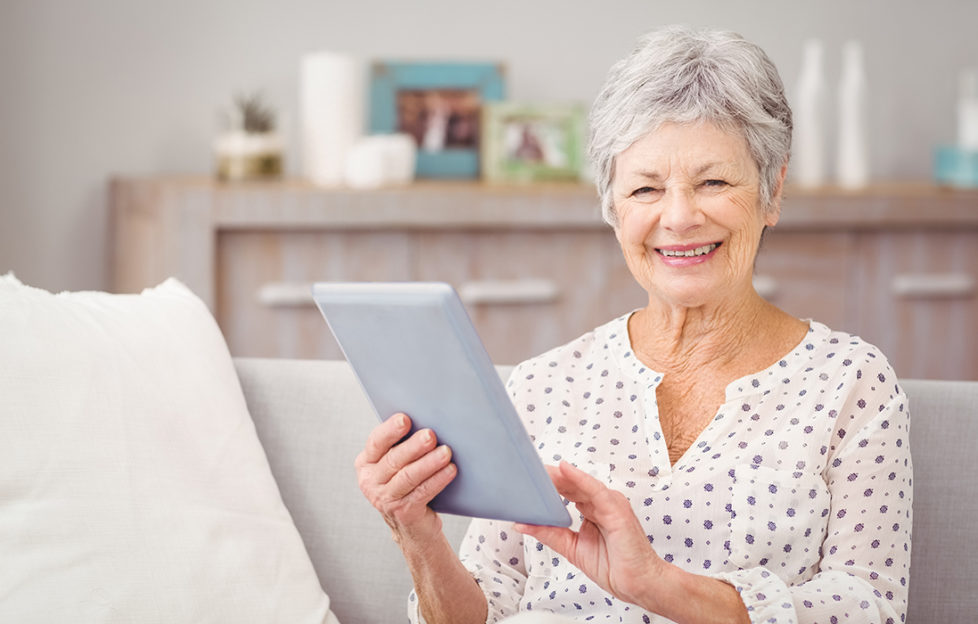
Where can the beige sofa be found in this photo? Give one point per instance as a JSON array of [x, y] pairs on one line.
[[312, 419]]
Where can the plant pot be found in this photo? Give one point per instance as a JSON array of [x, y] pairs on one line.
[[244, 155]]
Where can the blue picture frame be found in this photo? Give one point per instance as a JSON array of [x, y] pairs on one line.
[[396, 86]]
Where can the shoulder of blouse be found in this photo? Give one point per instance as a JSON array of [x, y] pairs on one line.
[[577, 349]]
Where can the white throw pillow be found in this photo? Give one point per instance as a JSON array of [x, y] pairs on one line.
[[133, 487]]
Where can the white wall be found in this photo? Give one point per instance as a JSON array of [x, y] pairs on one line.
[[92, 88]]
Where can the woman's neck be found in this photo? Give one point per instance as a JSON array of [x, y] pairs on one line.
[[730, 336]]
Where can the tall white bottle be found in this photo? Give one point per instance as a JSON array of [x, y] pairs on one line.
[[808, 153], [852, 160], [968, 110]]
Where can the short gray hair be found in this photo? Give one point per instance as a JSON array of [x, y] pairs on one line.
[[680, 75]]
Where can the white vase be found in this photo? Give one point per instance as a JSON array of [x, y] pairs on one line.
[[852, 161], [808, 153], [332, 109], [968, 110]]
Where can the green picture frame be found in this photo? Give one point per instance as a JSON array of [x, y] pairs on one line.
[[533, 142], [440, 104]]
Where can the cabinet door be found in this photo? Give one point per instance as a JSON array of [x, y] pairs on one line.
[[917, 299], [806, 274], [528, 291], [264, 301]]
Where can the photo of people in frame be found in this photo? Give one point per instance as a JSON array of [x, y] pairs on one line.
[[535, 140], [439, 119], [525, 142]]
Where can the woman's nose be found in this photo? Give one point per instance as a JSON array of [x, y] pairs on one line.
[[680, 211]]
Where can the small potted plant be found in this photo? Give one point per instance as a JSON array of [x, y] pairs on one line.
[[249, 148]]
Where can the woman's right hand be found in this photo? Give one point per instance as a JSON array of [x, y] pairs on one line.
[[400, 480]]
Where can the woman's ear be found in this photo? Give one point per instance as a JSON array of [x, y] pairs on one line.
[[774, 209]]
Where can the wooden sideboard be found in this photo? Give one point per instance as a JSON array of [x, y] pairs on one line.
[[536, 266]]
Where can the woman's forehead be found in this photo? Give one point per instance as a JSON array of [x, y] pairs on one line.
[[697, 148]]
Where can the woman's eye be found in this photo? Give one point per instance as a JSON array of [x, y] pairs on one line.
[[714, 183], [645, 190]]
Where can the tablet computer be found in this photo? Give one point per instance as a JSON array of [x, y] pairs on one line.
[[414, 350]]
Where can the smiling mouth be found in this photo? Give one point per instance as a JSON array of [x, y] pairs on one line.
[[688, 253]]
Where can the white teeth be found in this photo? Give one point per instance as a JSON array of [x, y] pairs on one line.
[[699, 251]]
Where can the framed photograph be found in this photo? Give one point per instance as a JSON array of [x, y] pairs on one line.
[[440, 105], [529, 143]]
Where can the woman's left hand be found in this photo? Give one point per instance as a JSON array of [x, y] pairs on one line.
[[611, 547]]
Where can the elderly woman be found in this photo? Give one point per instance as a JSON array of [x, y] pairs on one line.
[[726, 461]]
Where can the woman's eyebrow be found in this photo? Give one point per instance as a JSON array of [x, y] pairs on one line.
[[717, 165], [651, 176], [654, 176]]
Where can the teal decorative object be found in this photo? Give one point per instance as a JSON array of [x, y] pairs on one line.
[[957, 167], [440, 105]]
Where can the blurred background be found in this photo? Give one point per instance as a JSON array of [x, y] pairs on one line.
[[96, 89], [93, 88]]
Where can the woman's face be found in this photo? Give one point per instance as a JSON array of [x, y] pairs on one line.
[[689, 214]]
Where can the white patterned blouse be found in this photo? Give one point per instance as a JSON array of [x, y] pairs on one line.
[[798, 493]]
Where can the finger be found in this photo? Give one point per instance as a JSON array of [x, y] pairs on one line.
[[567, 483], [575, 484], [383, 437], [417, 474], [595, 501], [417, 446], [397, 458], [432, 486]]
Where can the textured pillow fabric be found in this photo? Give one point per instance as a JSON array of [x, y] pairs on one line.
[[133, 487]]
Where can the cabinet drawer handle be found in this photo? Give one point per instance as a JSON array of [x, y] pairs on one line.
[[508, 292], [285, 295], [766, 286], [933, 285]]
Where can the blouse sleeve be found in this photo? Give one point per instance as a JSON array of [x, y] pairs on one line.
[[865, 560], [493, 552]]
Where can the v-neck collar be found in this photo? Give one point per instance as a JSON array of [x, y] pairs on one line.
[[761, 382]]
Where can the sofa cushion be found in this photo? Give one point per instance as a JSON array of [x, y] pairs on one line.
[[133, 486]]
